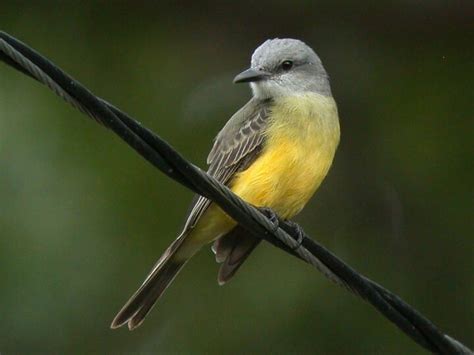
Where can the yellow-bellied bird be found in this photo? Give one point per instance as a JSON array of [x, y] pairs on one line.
[[274, 152]]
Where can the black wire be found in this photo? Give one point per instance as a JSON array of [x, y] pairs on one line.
[[286, 236]]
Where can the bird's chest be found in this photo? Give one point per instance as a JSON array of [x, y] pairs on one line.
[[298, 151]]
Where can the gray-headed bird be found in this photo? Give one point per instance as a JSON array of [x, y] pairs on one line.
[[274, 152]]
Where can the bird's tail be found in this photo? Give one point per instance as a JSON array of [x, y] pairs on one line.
[[160, 277]]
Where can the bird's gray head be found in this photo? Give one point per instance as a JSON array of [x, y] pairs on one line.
[[282, 67]]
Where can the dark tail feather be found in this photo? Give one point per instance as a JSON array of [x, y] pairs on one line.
[[232, 250], [161, 276]]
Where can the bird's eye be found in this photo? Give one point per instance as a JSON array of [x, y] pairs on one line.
[[287, 65]]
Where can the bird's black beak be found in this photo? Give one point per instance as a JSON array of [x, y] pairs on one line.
[[251, 75]]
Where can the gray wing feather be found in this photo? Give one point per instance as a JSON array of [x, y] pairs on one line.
[[235, 147]]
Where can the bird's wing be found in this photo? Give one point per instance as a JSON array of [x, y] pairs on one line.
[[236, 146]]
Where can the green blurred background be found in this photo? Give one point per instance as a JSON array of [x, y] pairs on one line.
[[83, 217]]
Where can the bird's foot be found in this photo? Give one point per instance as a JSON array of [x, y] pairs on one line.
[[272, 216], [295, 230]]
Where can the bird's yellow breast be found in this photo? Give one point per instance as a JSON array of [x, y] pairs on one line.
[[301, 139]]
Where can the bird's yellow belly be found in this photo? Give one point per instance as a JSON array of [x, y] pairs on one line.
[[284, 177], [299, 150], [300, 143]]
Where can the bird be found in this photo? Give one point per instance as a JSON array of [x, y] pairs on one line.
[[274, 153]]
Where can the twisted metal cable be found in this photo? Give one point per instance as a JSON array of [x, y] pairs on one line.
[[284, 236]]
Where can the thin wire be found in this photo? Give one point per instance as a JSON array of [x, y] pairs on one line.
[[284, 236]]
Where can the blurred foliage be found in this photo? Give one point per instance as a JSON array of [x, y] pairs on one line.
[[83, 218]]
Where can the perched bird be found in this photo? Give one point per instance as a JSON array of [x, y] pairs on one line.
[[274, 152]]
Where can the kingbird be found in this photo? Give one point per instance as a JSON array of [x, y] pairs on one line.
[[274, 152]]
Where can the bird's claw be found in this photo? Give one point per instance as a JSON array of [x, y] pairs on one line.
[[292, 228], [295, 229], [272, 216]]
